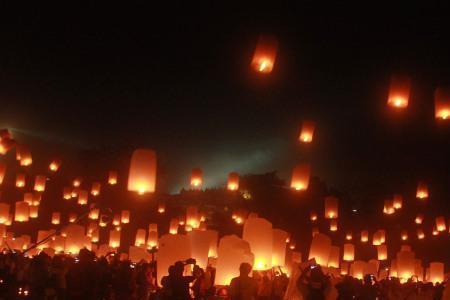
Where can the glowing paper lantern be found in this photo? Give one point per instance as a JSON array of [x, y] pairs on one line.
[[125, 217], [25, 156], [2, 172], [357, 269], [95, 189], [404, 235], [28, 198], [192, 216], [265, 54], [20, 180], [405, 265], [199, 242], [94, 214], [116, 220], [152, 240], [75, 239], [279, 247], [300, 177], [142, 174], [422, 191], [320, 249], [440, 224], [232, 252], [112, 177], [331, 207], [388, 208], [333, 261], [39, 183], [196, 179], [398, 201], [6, 144], [34, 212], [382, 252], [72, 217], [233, 181], [77, 182], [172, 248], [442, 104], [419, 219], [313, 216], [349, 252], [420, 234], [161, 208], [436, 272], [364, 236], [399, 92], [349, 236], [56, 218], [435, 231], [55, 165], [138, 254], [173, 227], [258, 233], [67, 193], [307, 132], [4, 213], [22, 213], [140, 237], [333, 225], [82, 197]]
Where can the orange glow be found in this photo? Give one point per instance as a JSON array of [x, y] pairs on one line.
[[125, 217], [442, 104], [95, 189], [173, 227], [140, 237], [112, 177], [23, 154], [114, 239], [34, 212], [76, 182], [161, 208], [196, 179], [349, 236], [419, 219], [313, 216], [364, 236], [382, 252], [331, 207], [56, 218], [54, 165], [4, 214], [440, 224], [300, 177], [333, 225], [422, 191], [398, 201], [39, 183], [233, 181], [265, 54], [6, 143], [72, 217], [388, 208], [349, 252], [2, 172], [94, 214], [22, 213], [399, 92], [142, 174], [404, 235], [116, 220], [20, 180], [420, 234], [307, 132], [435, 231], [82, 197]]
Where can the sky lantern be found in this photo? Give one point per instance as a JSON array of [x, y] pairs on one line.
[[172, 248], [56, 218], [331, 207], [333, 261], [152, 240], [161, 208], [94, 214], [140, 237], [28, 198], [420, 234], [25, 156], [422, 190], [436, 274], [2, 172], [116, 220], [399, 92], [442, 104], [300, 177], [199, 242], [279, 247], [320, 249], [265, 54], [72, 217], [112, 177], [6, 143], [82, 197], [388, 207], [333, 225], [349, 236], [435, 231], [382, 252], [404, 235], [344, 268], [77, 181], [398, 201], [196, 179], [95, 189], [67, 193], [440, 224], [125, 217], [37, 197], [142, 174], [307, 132], [34, 212], [4, 212], [419, 219], [357, 269], [349, 252], [258, 233], [22, 213], [173, 226], [232, 251], [55, 165], [95, 236], [364, 236], [39, 183], [405, 265], [233, 181], [313, 216], [192, 216], [75, 239], [20, 180]]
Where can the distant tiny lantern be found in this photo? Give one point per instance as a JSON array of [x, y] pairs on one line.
[[82, 197], [404, 235], [55, 165], [435, 231], [233, 181], [422, 191], [39, 183], [440, 224], [6, 144], [300, 177], [77, 182], [125, 217], [25, 157], [442, 104], [72, 217], [388, 208], [307, 132], [22, 213], [140, 237], [112, 177], [331, 207], [420, 234], [398, 201], [116, 220], [364, 236], [399, 92], [349, 252], [56, 218], [349, 236], [114, 239], [20, 180], [419, 219], [95, 189], [265, 54], [196, 179], [173, 227], [142, 174], [333, 225], [161, 208]]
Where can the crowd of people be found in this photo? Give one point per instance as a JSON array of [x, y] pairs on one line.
[[108, 278]]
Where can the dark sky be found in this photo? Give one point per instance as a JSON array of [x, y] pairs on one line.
[[179, 82]]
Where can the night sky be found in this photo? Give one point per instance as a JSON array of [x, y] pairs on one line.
[[92, 79]]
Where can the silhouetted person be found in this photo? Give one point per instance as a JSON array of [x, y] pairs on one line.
[[175, 285], [243, 287]]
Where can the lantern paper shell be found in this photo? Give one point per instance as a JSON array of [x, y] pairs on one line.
[[72, 217], [34, 212], [420, 234], [405, 261], [25, 157], [75, 239], [313, 216], [398, 201], [28, 198], [382, 252], [20, 180], [67, 193], [419, 219], [161, 208], [196, 178], [404, 235], [436, 274], [357, 269], [422, 191], [2, 172], [82, 197], [116, 220], [22, 213], [300, 177], [440, 224], [265, 54], [388, 208], [39, 183], [331, 207], [349, 252], [138, 254], [4, 213], [125, 217], [173, 227], [258, 233], [55, 165], [279, 247], [142, 174], [333, 261], [399, 92], [95, 189], [192, 216], [5, 145], [56, 218], [442, 104], [320, 249], [307, 132], [199, 243], [333, 225], [152, 240], [94, 214], [112, 177], [172, 248], [364, 236], [140, 237], [233, 181]]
